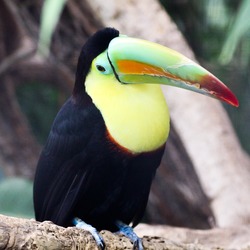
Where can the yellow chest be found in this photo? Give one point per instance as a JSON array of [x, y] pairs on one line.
[[136, 115]]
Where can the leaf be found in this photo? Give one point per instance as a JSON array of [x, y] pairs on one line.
[[240, 26], [50, 15]]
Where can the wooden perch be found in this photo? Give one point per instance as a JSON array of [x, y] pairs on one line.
[[17, 233]]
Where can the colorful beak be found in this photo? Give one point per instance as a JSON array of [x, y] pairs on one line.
[[138, 61]]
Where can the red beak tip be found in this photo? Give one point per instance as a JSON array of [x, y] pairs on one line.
[[229, 97], [236, 103], [219, 90]]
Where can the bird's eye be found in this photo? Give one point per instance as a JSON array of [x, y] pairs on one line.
[[100, 68], [101, 63], [103, 67]]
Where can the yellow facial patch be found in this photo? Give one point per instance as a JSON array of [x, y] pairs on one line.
[[136, 115]]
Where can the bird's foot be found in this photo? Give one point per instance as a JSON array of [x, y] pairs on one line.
[[129, 232], [83, 225]]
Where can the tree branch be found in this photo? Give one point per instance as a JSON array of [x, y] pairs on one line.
[[17, 233]]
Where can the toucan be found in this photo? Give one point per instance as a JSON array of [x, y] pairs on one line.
[[107, 140]]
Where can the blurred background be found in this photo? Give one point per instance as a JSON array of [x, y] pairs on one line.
[[31, 91]]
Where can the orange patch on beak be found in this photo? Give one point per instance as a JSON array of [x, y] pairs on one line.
[[139, 68]]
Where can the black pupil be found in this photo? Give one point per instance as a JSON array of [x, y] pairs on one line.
[[101, 68]]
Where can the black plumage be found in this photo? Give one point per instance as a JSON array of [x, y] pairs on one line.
[[82, 172]]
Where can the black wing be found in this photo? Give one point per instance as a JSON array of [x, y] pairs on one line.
[[62, 166]]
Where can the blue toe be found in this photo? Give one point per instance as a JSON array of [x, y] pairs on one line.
[[83, 225], [129, 232]]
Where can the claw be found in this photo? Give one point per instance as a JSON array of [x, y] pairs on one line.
[[129, 232], [83, 225]]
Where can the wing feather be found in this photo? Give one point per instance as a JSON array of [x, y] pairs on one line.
[[62, 164]]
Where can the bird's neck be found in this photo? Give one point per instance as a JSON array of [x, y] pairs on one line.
[[136, 115]]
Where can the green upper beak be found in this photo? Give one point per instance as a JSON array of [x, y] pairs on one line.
[[138, 61]]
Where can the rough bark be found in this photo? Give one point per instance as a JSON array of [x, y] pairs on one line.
[[16, 233], [202, 123]]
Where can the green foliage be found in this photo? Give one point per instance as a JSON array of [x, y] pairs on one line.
[[16, 197], [238, 29], [51, 13]]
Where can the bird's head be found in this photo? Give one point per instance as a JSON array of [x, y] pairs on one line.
[[136, 61]]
